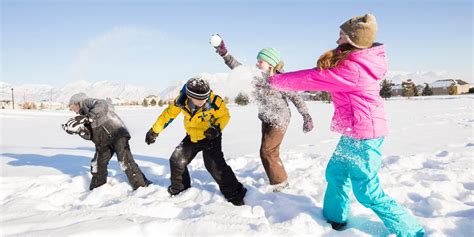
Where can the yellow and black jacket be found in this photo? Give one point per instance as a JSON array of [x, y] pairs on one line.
[[214, 112]]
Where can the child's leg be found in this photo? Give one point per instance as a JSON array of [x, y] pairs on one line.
[[368, 191], [125, 158], [270, 154], [99, 164], [221, 172], [181, 157], [336, 199]]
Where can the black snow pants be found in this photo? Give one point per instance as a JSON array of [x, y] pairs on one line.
[[101, 159], [213, 161]]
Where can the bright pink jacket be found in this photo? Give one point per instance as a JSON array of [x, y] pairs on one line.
[[354, 86]]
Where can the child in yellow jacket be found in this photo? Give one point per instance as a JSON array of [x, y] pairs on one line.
[[205, 116]]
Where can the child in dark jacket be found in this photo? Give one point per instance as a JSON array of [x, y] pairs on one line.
[[98, 122], [273, 110]]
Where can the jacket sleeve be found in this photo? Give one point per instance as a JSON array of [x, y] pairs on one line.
[[166, 117], [96, 109], [298, 102], [342, 78], [222, 115], [231, 62]]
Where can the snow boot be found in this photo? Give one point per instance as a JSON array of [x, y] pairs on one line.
[[239, 200], [337, 226], [276, 188], [173, 192]]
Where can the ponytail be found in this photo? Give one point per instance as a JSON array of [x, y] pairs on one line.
[[278, 68], [333, 57]]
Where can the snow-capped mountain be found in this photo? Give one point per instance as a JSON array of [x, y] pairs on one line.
[[100, 89], [420, 77], [223, 84]]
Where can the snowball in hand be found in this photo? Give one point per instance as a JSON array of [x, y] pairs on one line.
[[215, 40]]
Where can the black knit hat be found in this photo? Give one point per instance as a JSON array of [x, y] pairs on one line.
[[197, 88]]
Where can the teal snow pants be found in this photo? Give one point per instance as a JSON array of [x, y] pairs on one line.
[[356, 162]]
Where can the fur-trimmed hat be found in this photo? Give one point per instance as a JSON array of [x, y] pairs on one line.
[[198, 88], [360, 30]]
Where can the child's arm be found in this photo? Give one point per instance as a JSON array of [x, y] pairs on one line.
[[344, 77], [222, 115], [230, 61], [218, 43], [298, 102], [166, 117], [302, 109], [96, 108]]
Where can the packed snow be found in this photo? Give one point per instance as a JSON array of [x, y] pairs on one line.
[[44, 178]]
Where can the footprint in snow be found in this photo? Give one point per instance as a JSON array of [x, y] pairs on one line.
[[469, 185], [442, 154]]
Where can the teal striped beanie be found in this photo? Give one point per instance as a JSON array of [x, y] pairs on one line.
[[269, 55]]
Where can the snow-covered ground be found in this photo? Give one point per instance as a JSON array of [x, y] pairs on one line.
[[427, 167]]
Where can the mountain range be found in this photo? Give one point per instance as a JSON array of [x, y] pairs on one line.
[[223, 84]]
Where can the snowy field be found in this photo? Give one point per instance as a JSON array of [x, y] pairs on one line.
[[427, 167]]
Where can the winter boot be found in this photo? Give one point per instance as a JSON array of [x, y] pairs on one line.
[[337, 226], [281, 186], [97, 181], [173, 192], [239, 200], [148, 182]]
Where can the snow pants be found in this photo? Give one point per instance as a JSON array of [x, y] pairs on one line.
[[356, 162], [101, 160], [270, 153], [213, 161]]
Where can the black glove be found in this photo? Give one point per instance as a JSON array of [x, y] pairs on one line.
[[150, 136], [86, 133], [212, 133], [218, 43]]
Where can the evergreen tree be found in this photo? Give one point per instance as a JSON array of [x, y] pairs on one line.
[[161, 103], [153, 102], [242, 99], [427, 91], [145, 103], [326, 97], [409, 89], [386, 89]]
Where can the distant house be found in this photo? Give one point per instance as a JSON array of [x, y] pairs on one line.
[[450, 86], [150, 98], [397, 90], [51, 105]]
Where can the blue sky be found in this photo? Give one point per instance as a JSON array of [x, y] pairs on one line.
[[156, 43]]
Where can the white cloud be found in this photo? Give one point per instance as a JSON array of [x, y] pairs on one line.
[[107, 56]]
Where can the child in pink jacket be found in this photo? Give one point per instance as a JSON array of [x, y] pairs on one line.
[[351, 73]]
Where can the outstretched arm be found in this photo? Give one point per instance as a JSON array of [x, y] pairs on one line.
[[302, 109], [344, 77], [218, 43]]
